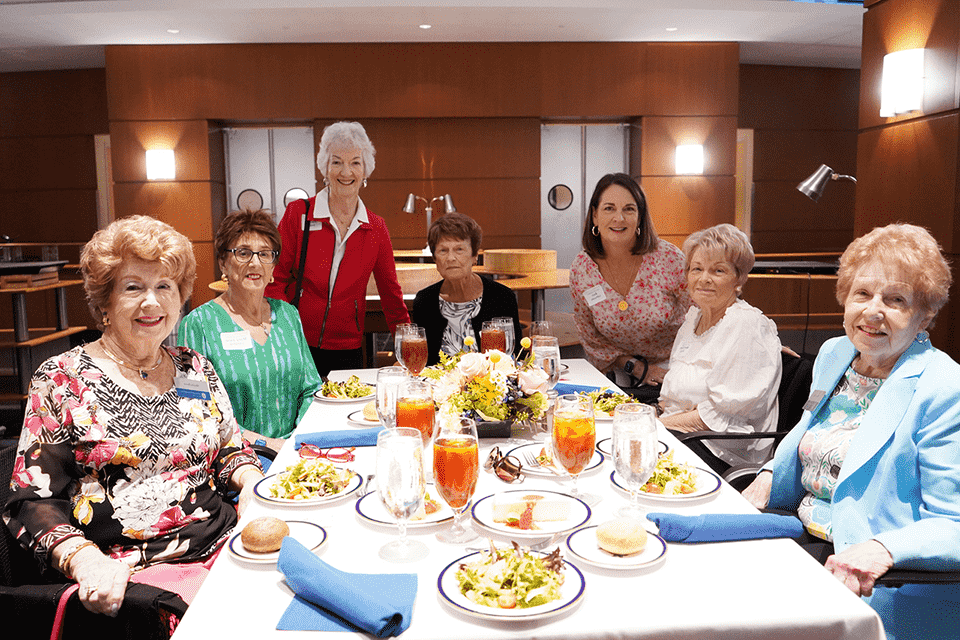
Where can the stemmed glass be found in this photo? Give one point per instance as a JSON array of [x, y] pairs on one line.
[[634, 451], [492, 336], [541, 328], [398, 339], [546, 354], [413, 349], [456, 467], [574, 437], [415, 409], [389, 380], [401, 488], [507, 325]]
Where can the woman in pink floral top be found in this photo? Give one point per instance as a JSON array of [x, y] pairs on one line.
[[629, 287], [128, 447]]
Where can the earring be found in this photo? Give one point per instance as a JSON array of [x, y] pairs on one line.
[[224, 277], [105, 321], [595, 231], [364, 182], [638, 230], [271, 280], [326, 182]]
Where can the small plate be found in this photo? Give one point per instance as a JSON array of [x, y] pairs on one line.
[[708, 483], [582, 543], [548, 472], [357, 418], [371, 509], [571, 595], [262, 491], [482, 513], [322, 398], [564, 369], [310, 535], [605, 447]]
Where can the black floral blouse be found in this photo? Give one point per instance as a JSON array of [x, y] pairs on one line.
[[143, 477]]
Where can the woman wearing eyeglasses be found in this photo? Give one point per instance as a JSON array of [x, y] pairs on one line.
[[256, 344]]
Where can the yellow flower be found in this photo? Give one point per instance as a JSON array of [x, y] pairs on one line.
[[469, 341], [525, 343], [494, 357]]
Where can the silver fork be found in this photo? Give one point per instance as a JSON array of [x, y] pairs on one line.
[[531, 461]]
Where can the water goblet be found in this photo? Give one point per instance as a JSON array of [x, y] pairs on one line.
[[574, 437], [401, 487], [456, 467], [634, 451], [541, 328], [546, 355], [389, 380]]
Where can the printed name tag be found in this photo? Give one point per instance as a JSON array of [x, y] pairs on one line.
[[594, 295], [814, 400], [236, 340], [188, 388]]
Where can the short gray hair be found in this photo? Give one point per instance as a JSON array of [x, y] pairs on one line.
[[726, 239], [346, 134]]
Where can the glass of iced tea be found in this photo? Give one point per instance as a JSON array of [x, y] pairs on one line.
[[415, 410], [456, 467], [398, 338], [574, 435], [492, 336], [413, 349]]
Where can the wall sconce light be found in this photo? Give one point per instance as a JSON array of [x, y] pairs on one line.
[[411, 207], [901, 88], [814, 186], [690, 159], [160, 164]]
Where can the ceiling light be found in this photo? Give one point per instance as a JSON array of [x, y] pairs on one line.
[[671, 28], [426, 26], [173, 31]]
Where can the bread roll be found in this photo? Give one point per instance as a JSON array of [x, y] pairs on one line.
[[622, 537], [264, 535], [370, 411]]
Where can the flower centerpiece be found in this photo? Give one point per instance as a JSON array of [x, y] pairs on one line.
[[489, 387]]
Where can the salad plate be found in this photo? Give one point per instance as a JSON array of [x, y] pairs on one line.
[[262, 491], [605, 447], [483, 514], [357, 418], [529, 452], [571, 594], [371, 509], [310, 535], [708, 484], [582, 543], [325, 399]]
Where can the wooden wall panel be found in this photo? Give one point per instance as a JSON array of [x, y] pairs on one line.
[[684, 204], [909, 24], [184, 205], [600, 79], [189, 140], [908, 172], [800, 240], [661, 135], [792, 155], [44, 103], [691, 78], [788, 209], [50, 215], [798, 98], [207, 272], [47, 162]]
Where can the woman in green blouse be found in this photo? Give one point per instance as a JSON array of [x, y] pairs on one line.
[[256, 344]]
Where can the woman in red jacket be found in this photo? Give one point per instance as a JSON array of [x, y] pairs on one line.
[[347, 243]]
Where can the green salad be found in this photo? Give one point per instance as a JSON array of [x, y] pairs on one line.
[[512, 578], [606, 400], [671, 478], [310, 478], [352, 388]]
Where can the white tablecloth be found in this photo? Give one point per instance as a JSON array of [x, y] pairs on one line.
[[768, 589]]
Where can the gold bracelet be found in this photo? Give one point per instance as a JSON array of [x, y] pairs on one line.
[[64, 564]]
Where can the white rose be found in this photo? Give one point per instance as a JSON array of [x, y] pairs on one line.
[[505, 364], [446, 387], [533, 380], [472, 365]]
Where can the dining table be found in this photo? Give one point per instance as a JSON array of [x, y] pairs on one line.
[[748, 589]]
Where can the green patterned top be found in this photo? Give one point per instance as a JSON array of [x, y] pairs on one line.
[[270, 386]]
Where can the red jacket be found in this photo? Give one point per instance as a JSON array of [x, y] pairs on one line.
[[368, 250]]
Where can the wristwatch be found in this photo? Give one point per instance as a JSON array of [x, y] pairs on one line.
[[631, 365]]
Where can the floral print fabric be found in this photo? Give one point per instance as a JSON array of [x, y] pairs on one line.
[[142, 476], [824, 446], [458, 315], [647, 321]]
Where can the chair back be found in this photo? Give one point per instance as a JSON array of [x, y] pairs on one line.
[[794, 389]]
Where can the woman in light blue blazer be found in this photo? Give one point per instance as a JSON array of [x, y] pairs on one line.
[[873, 467]]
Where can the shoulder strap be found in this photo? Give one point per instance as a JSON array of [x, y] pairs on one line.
[[303, 253]]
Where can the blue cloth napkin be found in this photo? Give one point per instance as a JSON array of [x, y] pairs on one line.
[[563, 388], [344, 438], [332, 600], [718, 527]]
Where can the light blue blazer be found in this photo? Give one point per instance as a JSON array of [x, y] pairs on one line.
[[900, 481]]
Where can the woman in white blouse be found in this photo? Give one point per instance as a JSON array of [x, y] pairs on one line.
[[725, 364]]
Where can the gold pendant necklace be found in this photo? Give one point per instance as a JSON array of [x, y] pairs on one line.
[[143, 372], [265, 325]]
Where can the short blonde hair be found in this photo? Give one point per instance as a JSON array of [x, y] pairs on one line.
[[727, 240], [346, 134], [908, 248], [140, 237]]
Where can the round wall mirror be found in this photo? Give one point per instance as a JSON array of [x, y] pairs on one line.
[[560, 197]]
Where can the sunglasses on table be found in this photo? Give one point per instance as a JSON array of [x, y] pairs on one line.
[[507, 468], [243, 255]]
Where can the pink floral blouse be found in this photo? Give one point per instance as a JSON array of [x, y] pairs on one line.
[[645, 322]]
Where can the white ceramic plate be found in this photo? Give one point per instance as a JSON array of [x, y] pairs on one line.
[[357, 418], [533, 450], [262, 491], [371, 509], [582, 544], [578, 516], [708, 483], [310, 535], [322, 398], [605, 447], [571, 595]]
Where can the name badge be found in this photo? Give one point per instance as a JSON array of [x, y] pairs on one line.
[[594, 295], [814, 400], [236, 340], [191, 388]]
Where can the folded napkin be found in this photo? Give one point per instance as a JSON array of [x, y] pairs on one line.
[[332, 600], [344, 438], [717, 527], [563, 388]]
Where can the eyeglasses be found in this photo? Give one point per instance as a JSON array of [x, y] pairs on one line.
[[507, 468], [244, 255], [334, 454]]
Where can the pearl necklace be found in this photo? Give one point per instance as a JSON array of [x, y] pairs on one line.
[[143, 372]]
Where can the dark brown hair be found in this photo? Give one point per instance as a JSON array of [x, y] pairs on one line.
[[647, 239], [238, 223], [457, 226]]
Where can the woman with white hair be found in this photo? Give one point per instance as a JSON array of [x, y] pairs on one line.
[[325, 273], [725, 365]]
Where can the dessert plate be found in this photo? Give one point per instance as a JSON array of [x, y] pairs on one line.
[[577, 515]]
